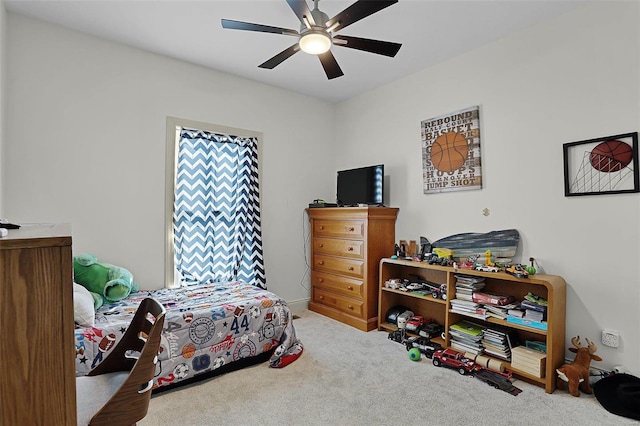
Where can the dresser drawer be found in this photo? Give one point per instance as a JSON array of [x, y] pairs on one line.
[[339, 228], [347, 286], [339, 265], [337, 301], [338, 247]]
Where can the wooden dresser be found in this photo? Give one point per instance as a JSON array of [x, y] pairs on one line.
[[347, 245], [36, 327]]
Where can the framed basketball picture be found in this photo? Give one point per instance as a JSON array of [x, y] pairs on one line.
[[451, 152], [606, 165]]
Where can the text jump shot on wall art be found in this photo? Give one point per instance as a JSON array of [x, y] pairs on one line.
[[451, 152]]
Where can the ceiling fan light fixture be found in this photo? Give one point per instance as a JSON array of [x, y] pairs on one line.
[[315, 42]]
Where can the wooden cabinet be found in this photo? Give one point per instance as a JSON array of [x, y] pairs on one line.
[[550, 287], [36, 325], [346, 248]]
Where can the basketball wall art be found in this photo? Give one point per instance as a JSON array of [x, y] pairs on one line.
[[451, 152], [606, 165]]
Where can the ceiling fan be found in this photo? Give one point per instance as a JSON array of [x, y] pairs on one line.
[[317, 33]]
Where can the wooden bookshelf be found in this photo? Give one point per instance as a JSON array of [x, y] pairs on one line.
[[550, 287]]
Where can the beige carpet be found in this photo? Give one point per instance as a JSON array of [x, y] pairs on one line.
[[348, 377]]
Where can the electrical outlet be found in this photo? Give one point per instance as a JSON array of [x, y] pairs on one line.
[[610, 338]]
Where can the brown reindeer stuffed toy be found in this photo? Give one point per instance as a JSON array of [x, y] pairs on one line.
[[576, 374]]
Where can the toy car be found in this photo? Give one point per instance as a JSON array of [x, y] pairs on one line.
[[393, 283], [394, 312], [517, 271], [424, 345], [443, 291], [453, 359], [464, 265], [430, 330], [397, 336], [444, 261], [413, 287], [486, 268], [414, 322], [436, 290]]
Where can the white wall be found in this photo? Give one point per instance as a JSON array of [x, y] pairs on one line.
[[88, 147], [570, 79]]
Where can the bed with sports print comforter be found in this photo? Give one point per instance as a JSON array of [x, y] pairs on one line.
[[206, 326]]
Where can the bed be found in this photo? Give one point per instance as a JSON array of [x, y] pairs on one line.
[[208, 327]]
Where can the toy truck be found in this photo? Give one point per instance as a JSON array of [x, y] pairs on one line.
[[453, 359]]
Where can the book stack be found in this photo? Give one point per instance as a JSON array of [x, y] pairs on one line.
[[528, 361], [466, 307], [466, 337], [498, 342], [534, 311], [500, 312], [466, 285], [516, 311]]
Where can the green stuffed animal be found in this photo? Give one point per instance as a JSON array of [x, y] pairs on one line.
[[107, 283]]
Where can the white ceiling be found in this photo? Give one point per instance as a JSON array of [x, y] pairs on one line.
[[430, 31]]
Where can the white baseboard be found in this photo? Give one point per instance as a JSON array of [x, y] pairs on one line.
[[298, 306]]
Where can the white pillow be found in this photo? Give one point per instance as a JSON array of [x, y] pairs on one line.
[[83, 310]]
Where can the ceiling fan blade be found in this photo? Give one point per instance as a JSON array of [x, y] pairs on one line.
[[280, 57], [301, 10], [357, 11], [330, 65], [247, 26], [379, 47]]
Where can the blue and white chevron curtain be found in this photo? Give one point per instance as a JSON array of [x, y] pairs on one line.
[[216, 214]]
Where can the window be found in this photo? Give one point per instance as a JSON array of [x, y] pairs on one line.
[[212, 216]]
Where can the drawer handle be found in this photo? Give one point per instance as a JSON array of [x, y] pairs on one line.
[[321, 245], [349, 287], [350, 249], [321, 262], [350, 268], [321, 297], [351, 229], [350, 307], [320, 280], [321, 227]]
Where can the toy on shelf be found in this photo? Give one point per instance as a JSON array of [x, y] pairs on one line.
[[534, 298], [463, 265], [423, 287], [531, 269], [443, 252], [433, 329], [517, 271], [434, 259], [486, 268], [576, 374], [487, 258], [415, 322]]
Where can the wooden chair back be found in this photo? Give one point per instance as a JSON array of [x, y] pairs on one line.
[[137, 353]]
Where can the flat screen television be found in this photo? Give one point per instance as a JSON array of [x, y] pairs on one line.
[[364, 185]]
